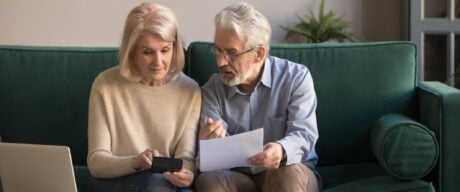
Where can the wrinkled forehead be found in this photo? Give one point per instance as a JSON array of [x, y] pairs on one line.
[[227, 39]]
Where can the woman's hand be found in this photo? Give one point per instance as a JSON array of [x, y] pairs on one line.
[[182, 178], [143, 160]]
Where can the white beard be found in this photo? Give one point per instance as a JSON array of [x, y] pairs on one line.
[[236, 79]]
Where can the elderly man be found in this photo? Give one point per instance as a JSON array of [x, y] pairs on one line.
[[256, 90]]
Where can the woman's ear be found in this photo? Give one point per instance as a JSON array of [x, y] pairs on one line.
[[260, 54]]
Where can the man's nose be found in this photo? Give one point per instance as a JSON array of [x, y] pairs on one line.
[[221, 61]]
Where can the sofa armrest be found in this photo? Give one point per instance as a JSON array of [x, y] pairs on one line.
[[439, 110], [405, 148]]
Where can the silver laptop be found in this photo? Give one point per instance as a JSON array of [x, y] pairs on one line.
[[33, 167]]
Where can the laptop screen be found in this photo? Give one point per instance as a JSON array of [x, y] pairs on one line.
[[33, 167]]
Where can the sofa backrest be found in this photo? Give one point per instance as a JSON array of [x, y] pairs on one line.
[[44, 91], [44, 94], [356, 83]]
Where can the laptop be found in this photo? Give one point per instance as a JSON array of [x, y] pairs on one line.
[[34, 167]]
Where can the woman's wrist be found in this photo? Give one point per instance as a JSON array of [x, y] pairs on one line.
[[133, 166]]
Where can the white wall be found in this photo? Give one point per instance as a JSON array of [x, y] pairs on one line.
[[100, 22]]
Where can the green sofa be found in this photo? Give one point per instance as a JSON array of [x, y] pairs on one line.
[[380, 129]]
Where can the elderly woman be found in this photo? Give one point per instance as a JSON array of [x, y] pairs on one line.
[[144, 108]]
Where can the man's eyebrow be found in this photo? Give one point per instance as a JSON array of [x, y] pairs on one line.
[[226, 49], [230, 50]]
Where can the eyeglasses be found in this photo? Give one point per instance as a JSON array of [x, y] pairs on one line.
[[231, 57]]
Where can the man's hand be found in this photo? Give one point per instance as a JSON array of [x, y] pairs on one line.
[[212, 129], [143, 160], [182, 178], [270, 158]]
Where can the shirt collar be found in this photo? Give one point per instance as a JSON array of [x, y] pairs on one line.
[[265, 80]]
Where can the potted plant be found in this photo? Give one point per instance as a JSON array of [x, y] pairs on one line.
[[321, 28]]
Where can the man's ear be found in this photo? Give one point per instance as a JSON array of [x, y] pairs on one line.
[[260, 54]]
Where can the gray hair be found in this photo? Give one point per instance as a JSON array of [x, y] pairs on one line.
[[149, 18], [249, 24]]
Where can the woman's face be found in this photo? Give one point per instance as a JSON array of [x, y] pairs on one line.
[[153, 56]]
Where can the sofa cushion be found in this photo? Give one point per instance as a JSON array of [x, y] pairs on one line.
[[368, 176], [383, 183], [45, 92], [82, 177], [405, 148]]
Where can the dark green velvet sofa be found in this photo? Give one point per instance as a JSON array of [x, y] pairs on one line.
[[380, 129]]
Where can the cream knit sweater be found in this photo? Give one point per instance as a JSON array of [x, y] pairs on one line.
[[125, 118]]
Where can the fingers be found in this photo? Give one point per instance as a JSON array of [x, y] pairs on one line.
[[270, 158], [209, 121], [264, 160], [144, 159], [212, 129], [182, 178]]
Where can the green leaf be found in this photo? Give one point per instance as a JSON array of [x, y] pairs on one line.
[[320, 28]]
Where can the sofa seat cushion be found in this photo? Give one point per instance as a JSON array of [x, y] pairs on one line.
[[383, 183], [404, 147], [82, 177], [367, 177]]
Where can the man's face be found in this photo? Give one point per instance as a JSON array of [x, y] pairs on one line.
[[234, 61]]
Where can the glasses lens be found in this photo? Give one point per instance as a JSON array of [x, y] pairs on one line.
[[232, 57], [217, 52], [212, 48]]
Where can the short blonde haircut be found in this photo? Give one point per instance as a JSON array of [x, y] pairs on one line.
[[248, 23], [149, 18]]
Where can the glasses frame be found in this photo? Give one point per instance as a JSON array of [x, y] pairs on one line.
[[232, 58]]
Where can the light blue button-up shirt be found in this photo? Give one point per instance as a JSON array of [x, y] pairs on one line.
[[283, 104]]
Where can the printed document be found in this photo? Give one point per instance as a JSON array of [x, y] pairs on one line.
[[232, 151]]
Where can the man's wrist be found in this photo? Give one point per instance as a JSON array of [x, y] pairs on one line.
[[283, 155], [284, 159]]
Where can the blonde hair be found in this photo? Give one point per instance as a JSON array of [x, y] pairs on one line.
[[149, 18], [249, 24]]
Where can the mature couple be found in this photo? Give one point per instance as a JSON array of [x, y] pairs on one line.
[[146, 107]]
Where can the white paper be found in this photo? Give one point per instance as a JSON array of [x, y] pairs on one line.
[[230, 152]]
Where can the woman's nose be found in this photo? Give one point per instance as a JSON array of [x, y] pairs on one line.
[[156, 59]]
